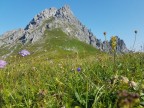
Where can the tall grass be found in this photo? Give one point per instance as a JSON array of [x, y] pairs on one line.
[[42, 82], [50, 79]]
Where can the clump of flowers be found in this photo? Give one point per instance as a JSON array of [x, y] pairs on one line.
[[127, 99], [124, 80], [121, 79], [2, 63], [133, 84], [24, 53]]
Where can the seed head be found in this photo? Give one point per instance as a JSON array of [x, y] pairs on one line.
[[104, 33], [135, 31]]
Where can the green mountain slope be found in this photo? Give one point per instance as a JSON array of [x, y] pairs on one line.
[[54, 42]]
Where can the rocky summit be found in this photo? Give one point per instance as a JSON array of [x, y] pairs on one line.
[[53, 18]]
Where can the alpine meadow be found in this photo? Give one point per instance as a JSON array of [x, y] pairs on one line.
[[57, 62]]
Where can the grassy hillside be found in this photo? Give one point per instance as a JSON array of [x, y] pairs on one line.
[[54, 41], [64, 72]]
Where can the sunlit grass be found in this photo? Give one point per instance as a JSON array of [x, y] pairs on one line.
[[53, 77], [36, 82]]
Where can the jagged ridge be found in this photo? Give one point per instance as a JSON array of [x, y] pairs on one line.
[[52, 18]]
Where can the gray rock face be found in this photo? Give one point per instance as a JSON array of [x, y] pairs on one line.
[[11, 37], [57, 18], [39, 18], [106, 46]]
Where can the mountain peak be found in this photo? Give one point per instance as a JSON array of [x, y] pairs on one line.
[[39, 18], [49, 19], [66, 8]]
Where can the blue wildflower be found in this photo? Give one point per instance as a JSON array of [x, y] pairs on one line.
[[78, 69]]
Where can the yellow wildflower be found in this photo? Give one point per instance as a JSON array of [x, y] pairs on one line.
[[114, 42]]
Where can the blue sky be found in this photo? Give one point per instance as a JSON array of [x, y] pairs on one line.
[[116, 17]]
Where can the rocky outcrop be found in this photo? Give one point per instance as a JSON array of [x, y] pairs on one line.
[[57, 18], [11, 37]]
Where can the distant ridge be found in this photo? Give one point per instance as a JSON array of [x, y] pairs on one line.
[[53, 18]]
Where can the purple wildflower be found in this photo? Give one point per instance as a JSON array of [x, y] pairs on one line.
[[78, 69], [24, 53], [2, 63]]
